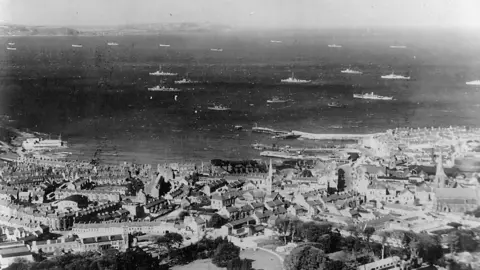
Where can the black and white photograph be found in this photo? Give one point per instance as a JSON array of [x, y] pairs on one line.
[[240, 135]]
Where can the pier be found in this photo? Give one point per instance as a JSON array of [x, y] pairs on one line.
[[333, 137]]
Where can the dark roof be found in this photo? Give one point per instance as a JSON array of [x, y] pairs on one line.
[[80, 199]]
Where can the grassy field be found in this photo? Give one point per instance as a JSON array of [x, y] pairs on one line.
[[262, 260]]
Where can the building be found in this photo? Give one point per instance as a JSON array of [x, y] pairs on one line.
[[387, 263], [73, 202], [9, 253]]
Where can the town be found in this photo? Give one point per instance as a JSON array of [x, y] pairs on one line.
[[404, 199]]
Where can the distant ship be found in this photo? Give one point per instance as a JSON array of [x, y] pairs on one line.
[[393, 76], [159, 88], [371, 96], [77, 46], [294, 80], [276, 100], [216, 50], [476, 82], [218, 108], [350, 71], [398, 47], [336, 104], [112, 44], [275, 41], [11, 49], [159, 72], [164, 45], [334, 46], [11, 43]]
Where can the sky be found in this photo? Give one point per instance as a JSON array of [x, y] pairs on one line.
[[246, 13]]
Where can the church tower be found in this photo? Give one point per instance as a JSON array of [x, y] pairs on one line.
[[440, 176]]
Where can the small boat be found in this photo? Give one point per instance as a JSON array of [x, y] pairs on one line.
[[11, 44], [350, 71], [112, 44], [164, 45], [77, 45], [398, 47], [185, 81], [11, 48], [238, 127], [334, 46], [336, 104], [218, 108], [159, 88], [277, 100], [216, 50], [275, 41], [159, 72], [476, 83]]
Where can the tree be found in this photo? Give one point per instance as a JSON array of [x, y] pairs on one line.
[[335, 265], [312, 231], [283, 226], [170, 240], [19, 264], [224, 253], [239, 264], [183, 214], [462, 240], [341, 181], [217, 221], [368, 232], [304, 257], [453, 241], [385, 235]]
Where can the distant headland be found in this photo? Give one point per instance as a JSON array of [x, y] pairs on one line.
[[136, 29]]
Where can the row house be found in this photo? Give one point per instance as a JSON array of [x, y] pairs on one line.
[[120, 180], [263, 217], [255, 196], [235, 213], [226, 199], [258, 207], [56, 246], [314, 208], [236, 184], [195, 224], [213, 186], [156, 206], [103, 242], [274, 205], [92, 195], [297, 210], [148, 227], [239, 228]]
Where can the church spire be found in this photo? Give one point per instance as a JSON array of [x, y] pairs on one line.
[[269, 178], [440, 176]]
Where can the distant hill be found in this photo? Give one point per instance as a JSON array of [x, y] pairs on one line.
[[23, 30]]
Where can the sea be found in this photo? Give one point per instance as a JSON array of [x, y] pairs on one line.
[[96, 96]]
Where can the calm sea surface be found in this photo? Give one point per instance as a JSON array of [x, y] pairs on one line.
[[97, 97]]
